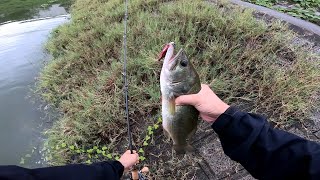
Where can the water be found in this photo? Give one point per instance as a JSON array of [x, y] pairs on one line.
[[14, 10], [52, 11], [21, 58]]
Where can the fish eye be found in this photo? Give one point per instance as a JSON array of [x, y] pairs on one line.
[[184, 63]]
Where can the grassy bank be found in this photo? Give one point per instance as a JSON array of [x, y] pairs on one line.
[[245, 61], [305, 9], [25, 9]]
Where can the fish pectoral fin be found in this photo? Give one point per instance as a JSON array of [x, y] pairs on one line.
[[172, 106]]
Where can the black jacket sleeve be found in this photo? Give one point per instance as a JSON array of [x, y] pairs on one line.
[[104, 170], [266, 153]]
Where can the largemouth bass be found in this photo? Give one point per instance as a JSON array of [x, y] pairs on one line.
[[178, 77]]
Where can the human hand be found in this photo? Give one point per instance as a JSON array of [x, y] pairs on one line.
[[128, 160], [206, 102]]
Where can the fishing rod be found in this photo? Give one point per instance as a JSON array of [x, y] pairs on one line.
[[125, 74], [135, 174]]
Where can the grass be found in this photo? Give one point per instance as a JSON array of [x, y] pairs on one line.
[[25, 9], [304, 9], [245, 61]]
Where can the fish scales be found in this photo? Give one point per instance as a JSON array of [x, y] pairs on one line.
[[178, 77]]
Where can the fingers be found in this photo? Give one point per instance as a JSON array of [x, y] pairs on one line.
[[187, 100], [137, 157], [145, 170], [191, 99], [204, 86], [128, 160], [129, 152], [134, 154], [205, 89]]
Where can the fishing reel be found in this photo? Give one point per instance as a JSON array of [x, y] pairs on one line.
[[139, 175]]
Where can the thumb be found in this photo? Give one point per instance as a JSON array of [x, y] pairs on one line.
[[186, 100]]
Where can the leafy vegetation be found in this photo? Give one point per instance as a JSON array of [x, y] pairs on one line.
[[23, 9], [87, 155], [304, 9], [93, 154], [245, 61]]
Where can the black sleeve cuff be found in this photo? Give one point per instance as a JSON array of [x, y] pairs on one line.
[[237, 130], [119, 167], [224, 119]]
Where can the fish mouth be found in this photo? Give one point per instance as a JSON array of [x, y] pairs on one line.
[[168, 53], [164, 51], [173, 63]]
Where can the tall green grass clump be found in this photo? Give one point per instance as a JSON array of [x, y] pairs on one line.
[[246, 62]]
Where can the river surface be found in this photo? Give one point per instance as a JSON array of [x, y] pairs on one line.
[[22, 56]]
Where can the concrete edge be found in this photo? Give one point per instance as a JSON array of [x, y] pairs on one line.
[[67, 16], [304, 25]]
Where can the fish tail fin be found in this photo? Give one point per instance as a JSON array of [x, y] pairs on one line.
[[182, 149], [190, 148]]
